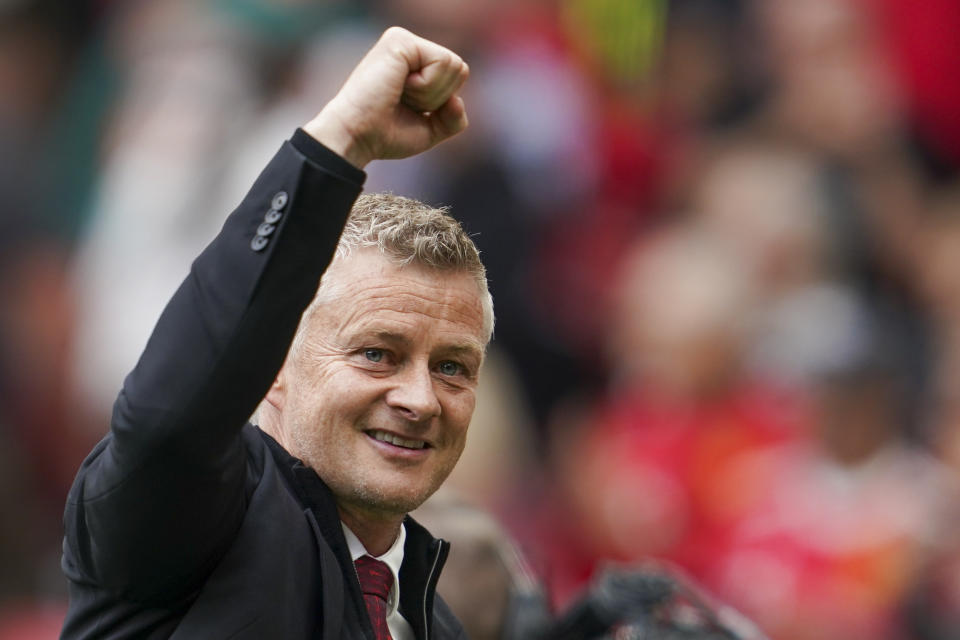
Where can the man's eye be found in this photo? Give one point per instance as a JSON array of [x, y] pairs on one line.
[[373, 355], [450, 368]]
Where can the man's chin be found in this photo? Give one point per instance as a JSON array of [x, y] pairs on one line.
[[381, 488], [397, 503], [387, 497]]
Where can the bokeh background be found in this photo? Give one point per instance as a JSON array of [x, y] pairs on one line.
[[723, 238]]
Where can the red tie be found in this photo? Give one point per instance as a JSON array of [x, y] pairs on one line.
[[375, 582]]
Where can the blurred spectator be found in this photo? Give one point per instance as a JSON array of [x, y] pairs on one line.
[[833, 88], [484, 566], [836, 542], [188, 87], [39, 444], [655, 470]]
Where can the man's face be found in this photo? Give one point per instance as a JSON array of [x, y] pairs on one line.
[[379, 395]]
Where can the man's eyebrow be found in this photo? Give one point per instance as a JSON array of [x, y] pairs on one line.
[[390, 336], [466, 348]]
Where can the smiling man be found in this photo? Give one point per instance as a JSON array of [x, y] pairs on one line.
[[378, 388], [362, 327]]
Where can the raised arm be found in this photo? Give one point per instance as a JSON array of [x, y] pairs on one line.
[[156, 502]]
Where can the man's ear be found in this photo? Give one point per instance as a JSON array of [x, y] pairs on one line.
[[269, 414], [277, 394]]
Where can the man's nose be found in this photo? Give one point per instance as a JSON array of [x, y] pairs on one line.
[[413, 395]]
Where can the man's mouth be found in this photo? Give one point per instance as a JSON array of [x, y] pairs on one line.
[[396, 440]]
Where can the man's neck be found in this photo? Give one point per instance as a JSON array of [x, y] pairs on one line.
[[377, 532]]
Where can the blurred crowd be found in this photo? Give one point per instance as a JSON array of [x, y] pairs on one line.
[[722, 236]]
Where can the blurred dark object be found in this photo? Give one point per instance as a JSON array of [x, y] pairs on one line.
[[37, 40], [650, 602], [932, 610]]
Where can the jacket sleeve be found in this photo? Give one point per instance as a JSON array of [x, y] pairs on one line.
[[156, 503]]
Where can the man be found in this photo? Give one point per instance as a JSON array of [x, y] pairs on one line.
[[186, 523]]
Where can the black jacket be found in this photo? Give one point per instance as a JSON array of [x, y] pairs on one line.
[[188, 522]]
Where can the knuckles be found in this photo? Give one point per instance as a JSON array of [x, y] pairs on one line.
[[404, 44], [397, 40], [395, 32]]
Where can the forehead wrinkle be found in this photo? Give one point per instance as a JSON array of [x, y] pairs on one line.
[[333, 331], [354, 295], [400, 299]]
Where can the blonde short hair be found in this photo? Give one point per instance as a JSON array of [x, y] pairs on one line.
[[410, 232]]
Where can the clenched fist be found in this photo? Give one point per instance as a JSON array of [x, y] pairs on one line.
[[401, 99]]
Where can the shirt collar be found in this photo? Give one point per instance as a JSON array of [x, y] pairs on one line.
[[393, 558]]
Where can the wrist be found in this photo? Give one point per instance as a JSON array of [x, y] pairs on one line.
[[328, 129]]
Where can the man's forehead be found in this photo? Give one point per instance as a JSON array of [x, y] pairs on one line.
[[369, 291], [369, 274], [373, 263]]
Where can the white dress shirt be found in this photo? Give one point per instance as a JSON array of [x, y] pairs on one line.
[[400, 629]]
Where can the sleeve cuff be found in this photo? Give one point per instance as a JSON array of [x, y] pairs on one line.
[[323, 157]]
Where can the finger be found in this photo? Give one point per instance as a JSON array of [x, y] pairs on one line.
[[441, 75], [429, 91], [416, 52], [446, 69], [430, 88], [449, 120]]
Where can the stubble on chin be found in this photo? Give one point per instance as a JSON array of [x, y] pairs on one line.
[[363, 486], [367, 489], [372, 489]]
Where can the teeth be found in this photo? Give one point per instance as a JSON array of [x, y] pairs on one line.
[[383, 436]]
